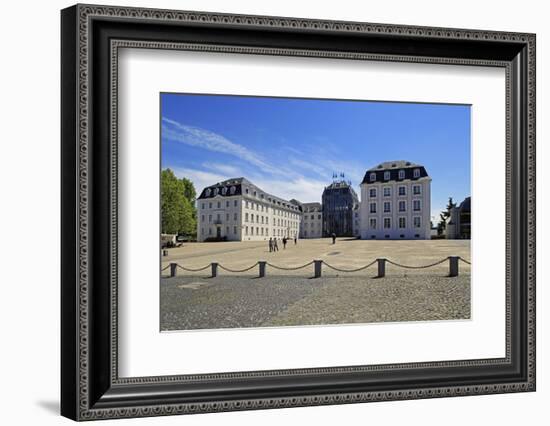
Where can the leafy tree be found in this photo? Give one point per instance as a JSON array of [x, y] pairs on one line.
[[178, 213]]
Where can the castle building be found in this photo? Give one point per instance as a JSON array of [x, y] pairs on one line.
[[339, 205], [458, 224], [312, 221], [238, 210], [395, 202]]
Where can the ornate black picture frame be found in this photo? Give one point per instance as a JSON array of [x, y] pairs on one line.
[[91, 36]]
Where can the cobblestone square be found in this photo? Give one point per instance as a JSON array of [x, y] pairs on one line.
[[292, 297]]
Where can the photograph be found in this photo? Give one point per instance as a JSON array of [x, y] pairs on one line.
[[283, 212]]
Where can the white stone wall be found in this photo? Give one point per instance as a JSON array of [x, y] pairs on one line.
[[411, 217], [312, 224], [242, 218]]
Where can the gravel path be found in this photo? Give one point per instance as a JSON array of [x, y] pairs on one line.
[[235, 302]]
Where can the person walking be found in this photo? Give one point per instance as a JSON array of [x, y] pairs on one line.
[[333, 238], [284, 243], [275, 246], [270, 244], [295, 240]]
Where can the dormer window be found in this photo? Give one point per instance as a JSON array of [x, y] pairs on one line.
[[416, 173], [224, 190], [401, 174], [216, 190], [232, 190], [386, 175], [373, 177], [208, 192]]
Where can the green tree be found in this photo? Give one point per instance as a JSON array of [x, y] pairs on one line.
[[178, 213], [444, 215]]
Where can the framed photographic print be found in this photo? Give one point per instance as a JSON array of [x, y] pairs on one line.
[[263, 212]]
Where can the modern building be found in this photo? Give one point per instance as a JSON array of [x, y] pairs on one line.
[[339, 204], [458, 225], [312, 220], [238, 210], [395, 202]]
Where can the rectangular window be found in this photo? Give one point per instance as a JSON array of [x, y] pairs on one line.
[[209, 231], [416, 221], [227, 230], [372, 192], [319, 217], [210, 218], [402, 190], [387, 191], [373, 223], [219, 204], [202, 218], [387, 207], [235, 203], [235, 230], [373, 177], [203, 206], [227, 204], [416, 173], [218, 217], [387, 222], [386, 175], [246, 230], [402, 206], [373, 207], [401, 174], [252, 217], [416, 205], [246, 217], [209, 205], [227, 217], [402, 223], [234, 216], [416, 189]]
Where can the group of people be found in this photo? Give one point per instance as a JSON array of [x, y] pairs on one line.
[[274, 246]]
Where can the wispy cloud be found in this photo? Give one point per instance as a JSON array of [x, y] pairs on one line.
[[195, 136], [224, 169]]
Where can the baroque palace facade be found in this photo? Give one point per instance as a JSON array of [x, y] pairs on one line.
[[395, 204], [238, 210]]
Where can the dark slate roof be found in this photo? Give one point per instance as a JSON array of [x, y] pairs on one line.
[[239, 186], [465, 206], [393, 167], [311, 207]]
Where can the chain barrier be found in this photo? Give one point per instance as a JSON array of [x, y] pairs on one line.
[[294, 268], [192, 270], [416, 267], [289, 268], [237, 270], [349, 270]]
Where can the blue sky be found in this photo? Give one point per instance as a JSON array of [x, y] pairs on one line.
[[291, 147]]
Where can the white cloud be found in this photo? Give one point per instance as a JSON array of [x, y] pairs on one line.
[[195, 136], [225, 169]]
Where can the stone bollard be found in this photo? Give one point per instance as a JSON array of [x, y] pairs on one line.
[[262, 264], [173, 267], [214, 269], [317, 268], [453, 266], [381, 268]]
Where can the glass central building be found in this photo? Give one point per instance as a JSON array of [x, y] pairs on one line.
[[340, 205]]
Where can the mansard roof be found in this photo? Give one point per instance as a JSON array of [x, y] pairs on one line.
[[242, 186], [394, 167]]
